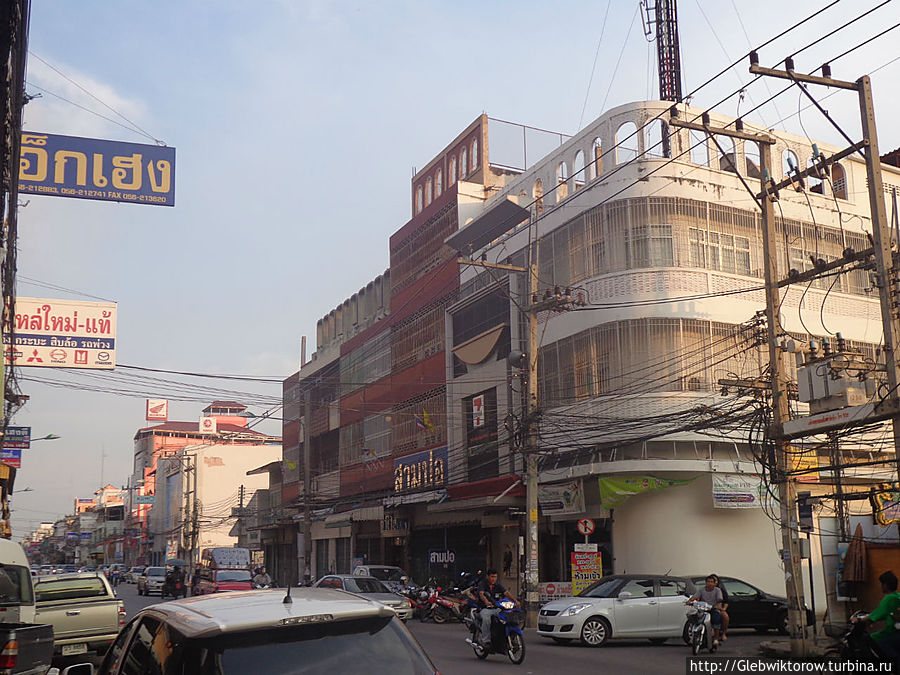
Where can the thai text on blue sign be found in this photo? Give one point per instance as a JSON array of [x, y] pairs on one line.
[[421, 471], [92, 168], [11, 457], [17, 437], [144, 499]]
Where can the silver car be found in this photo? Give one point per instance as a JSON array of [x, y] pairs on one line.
[[371, 588], [619, 606]]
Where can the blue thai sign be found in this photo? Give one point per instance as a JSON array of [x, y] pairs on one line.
[[92, 168], [424, 470], [17, 437], [11, 457]]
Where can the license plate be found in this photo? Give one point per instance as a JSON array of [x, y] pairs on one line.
[[71, 650]]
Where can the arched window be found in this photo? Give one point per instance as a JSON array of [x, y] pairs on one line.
[[699, 148], [626, 142], [452, 171], [751, 159], [438, 183], [463, 164], [562, 181], [657, 140], [839, 181], [428, 191], [419, 204], [537, 193], [597, 159], [728, 161], [789, 163], [474, 154], [578, 171]]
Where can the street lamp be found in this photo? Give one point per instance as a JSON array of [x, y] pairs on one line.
[[48, 437]]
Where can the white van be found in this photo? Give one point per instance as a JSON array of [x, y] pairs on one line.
[[16, 589]]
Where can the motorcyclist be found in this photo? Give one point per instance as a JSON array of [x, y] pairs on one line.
[[262, 578], [712, 595], [115, 575], [174, 576], [489, 592], [888, 610]]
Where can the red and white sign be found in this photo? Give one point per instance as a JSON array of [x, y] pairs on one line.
[[208, 425], [554, 590], [157, 410], [478, 411], [586, 526]]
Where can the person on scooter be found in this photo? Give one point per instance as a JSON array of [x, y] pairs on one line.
[[712, 595], [489, 593], [725, 618], [888, 610]]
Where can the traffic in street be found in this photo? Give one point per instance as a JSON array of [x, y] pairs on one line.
[[446, 645]]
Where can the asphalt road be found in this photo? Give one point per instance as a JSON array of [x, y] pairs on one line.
[[446, 646]]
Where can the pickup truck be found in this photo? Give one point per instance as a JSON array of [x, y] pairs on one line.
[[26, 648], [84, 611]]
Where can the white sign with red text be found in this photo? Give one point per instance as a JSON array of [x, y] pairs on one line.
[[62, 334], [208, 425], [157, 410], [478, 411]]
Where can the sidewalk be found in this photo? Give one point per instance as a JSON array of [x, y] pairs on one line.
[[781, 649]]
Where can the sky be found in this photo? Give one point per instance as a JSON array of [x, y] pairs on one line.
[[297, 126]]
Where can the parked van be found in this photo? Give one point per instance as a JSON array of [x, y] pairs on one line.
[[16, 589]]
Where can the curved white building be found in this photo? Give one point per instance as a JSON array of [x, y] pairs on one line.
[[663, 242]]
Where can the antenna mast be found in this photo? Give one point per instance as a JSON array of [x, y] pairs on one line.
[[665, 16]]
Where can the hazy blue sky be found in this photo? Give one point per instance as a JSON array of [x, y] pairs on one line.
[[297, 125]]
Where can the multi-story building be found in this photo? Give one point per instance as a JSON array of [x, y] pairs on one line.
[[160, 440], [663, 242], [199, 491]]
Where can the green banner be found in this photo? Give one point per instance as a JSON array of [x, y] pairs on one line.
[[614, 490]]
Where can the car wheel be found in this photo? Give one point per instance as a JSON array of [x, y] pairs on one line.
[[562, 641], [658, 641], [595, 631], [781, 622], [698, 640]]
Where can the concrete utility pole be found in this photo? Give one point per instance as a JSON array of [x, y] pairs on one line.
[[307, 487], [555, 300], [778, 379]]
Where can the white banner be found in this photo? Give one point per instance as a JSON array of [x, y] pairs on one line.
[[554, 590], [62, 334], [208, 425], [737, 491], [564, 499]]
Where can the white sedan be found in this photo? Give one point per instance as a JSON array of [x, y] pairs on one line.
[[619, 606]]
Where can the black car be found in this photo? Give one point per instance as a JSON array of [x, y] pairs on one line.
[[750, 607]]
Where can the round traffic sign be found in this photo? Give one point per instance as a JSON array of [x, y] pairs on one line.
[[586, 526]]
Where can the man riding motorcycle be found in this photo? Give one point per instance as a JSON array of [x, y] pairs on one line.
[[489, 592], [888, 610]]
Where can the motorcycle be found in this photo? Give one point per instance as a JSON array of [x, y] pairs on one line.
[[854, 643], [699, 628], [173, 587], [506, 632]]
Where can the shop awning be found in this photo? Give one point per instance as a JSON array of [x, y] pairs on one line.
[[415, 498]]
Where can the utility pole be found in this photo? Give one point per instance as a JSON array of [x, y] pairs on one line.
[[307, 487], [555, 300], [778, 379]]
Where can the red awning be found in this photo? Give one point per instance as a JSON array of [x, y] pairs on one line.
[[490, 487]]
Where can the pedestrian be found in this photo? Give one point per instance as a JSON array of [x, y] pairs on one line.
[[507, 562], [725, 618]]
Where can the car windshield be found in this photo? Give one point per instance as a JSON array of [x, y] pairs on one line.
[[15, 585], [603, 588], [364, 646], [364, 585], [69, 589], [232, 575], [387, 573], [156, 572]]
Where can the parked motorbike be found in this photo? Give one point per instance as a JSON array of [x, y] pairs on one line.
[[506, 632], [699, 628], [854, 643]]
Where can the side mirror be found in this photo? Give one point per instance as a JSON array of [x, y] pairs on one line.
[[79, 669], [624, 595]]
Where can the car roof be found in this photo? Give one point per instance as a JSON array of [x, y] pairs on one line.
[[238, 611], [68, 575], [355, 577]]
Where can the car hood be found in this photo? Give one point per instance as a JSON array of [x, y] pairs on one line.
[[385, 598], [562, 603]]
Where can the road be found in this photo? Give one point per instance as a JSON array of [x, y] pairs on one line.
[[446, 646]]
